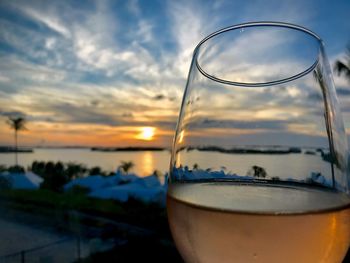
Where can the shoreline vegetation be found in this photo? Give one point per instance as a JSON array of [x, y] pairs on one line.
[[234, 150]]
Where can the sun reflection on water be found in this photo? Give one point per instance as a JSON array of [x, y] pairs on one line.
[[147, 163]]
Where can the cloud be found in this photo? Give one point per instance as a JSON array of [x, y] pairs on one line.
[[159, 97], [12, 113], [114, 65], [187, 31], [4, 79], [23, 73], [51, 21], [314, 96], [23, 39], [297, 12], [133, 7], [144, 32], [228, 124], [257, 55], [343, 92], [71, 113], [84, 43], [127, 115], [95, 102], [72, 104]]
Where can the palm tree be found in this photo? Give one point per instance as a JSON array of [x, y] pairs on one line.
[[17, 124], [126, 166], [344, 68]]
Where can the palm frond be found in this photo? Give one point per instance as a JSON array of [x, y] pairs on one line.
[[17, 123], [341, 68]]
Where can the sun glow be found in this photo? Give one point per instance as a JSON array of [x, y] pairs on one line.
[[147, 133]]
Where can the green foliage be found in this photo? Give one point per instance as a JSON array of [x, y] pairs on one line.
[[46, 199], [126, 166], [157, 173], [47, 202], [59, 168], [17, 123], [38, 168], [3, 168], [53, 174], [343, 68], [75, 170], [257, 171], [78, 189], [16, 169], [54, 180], [97, 171], [57, 174], [43, 201]]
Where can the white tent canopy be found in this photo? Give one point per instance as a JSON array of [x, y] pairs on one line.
[[27, 180], [121, 187]]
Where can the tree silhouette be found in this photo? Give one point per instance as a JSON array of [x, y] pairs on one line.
[[344, 68], [54, 176], [126, 166], [17, 124], [257, 171]]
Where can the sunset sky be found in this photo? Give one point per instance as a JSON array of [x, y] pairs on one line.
[[112, 73]]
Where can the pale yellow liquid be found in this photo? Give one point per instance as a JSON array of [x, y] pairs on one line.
[[226, 222]]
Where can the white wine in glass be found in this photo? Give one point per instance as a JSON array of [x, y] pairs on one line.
[[259, 168]]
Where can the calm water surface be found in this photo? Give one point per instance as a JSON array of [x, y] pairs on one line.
[[293, 165], [145, 161]]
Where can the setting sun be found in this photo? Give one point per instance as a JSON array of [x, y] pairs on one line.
[[146, 133]]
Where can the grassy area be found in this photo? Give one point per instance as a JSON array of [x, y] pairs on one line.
[[48, 203], [54, 200], [143, 226]]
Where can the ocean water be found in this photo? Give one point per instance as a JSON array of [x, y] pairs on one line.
[[296, 165], [145, 161]]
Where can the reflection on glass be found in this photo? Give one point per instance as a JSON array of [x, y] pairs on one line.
[[260, 132]]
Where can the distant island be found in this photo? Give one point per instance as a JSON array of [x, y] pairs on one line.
[[252, 150], [62, 147], [8, 149], [126, 149]]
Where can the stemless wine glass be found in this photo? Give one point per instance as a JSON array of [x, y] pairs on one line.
[[259, 162]]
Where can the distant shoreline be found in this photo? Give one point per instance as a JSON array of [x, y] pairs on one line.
[[126, 149], [9, 149], [13, 150]]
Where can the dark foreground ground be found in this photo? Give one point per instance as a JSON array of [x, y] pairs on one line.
[[43, 226]]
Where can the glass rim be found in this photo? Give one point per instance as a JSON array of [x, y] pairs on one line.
[[258, 24]]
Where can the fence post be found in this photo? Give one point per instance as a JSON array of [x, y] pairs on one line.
[[22, 256]]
